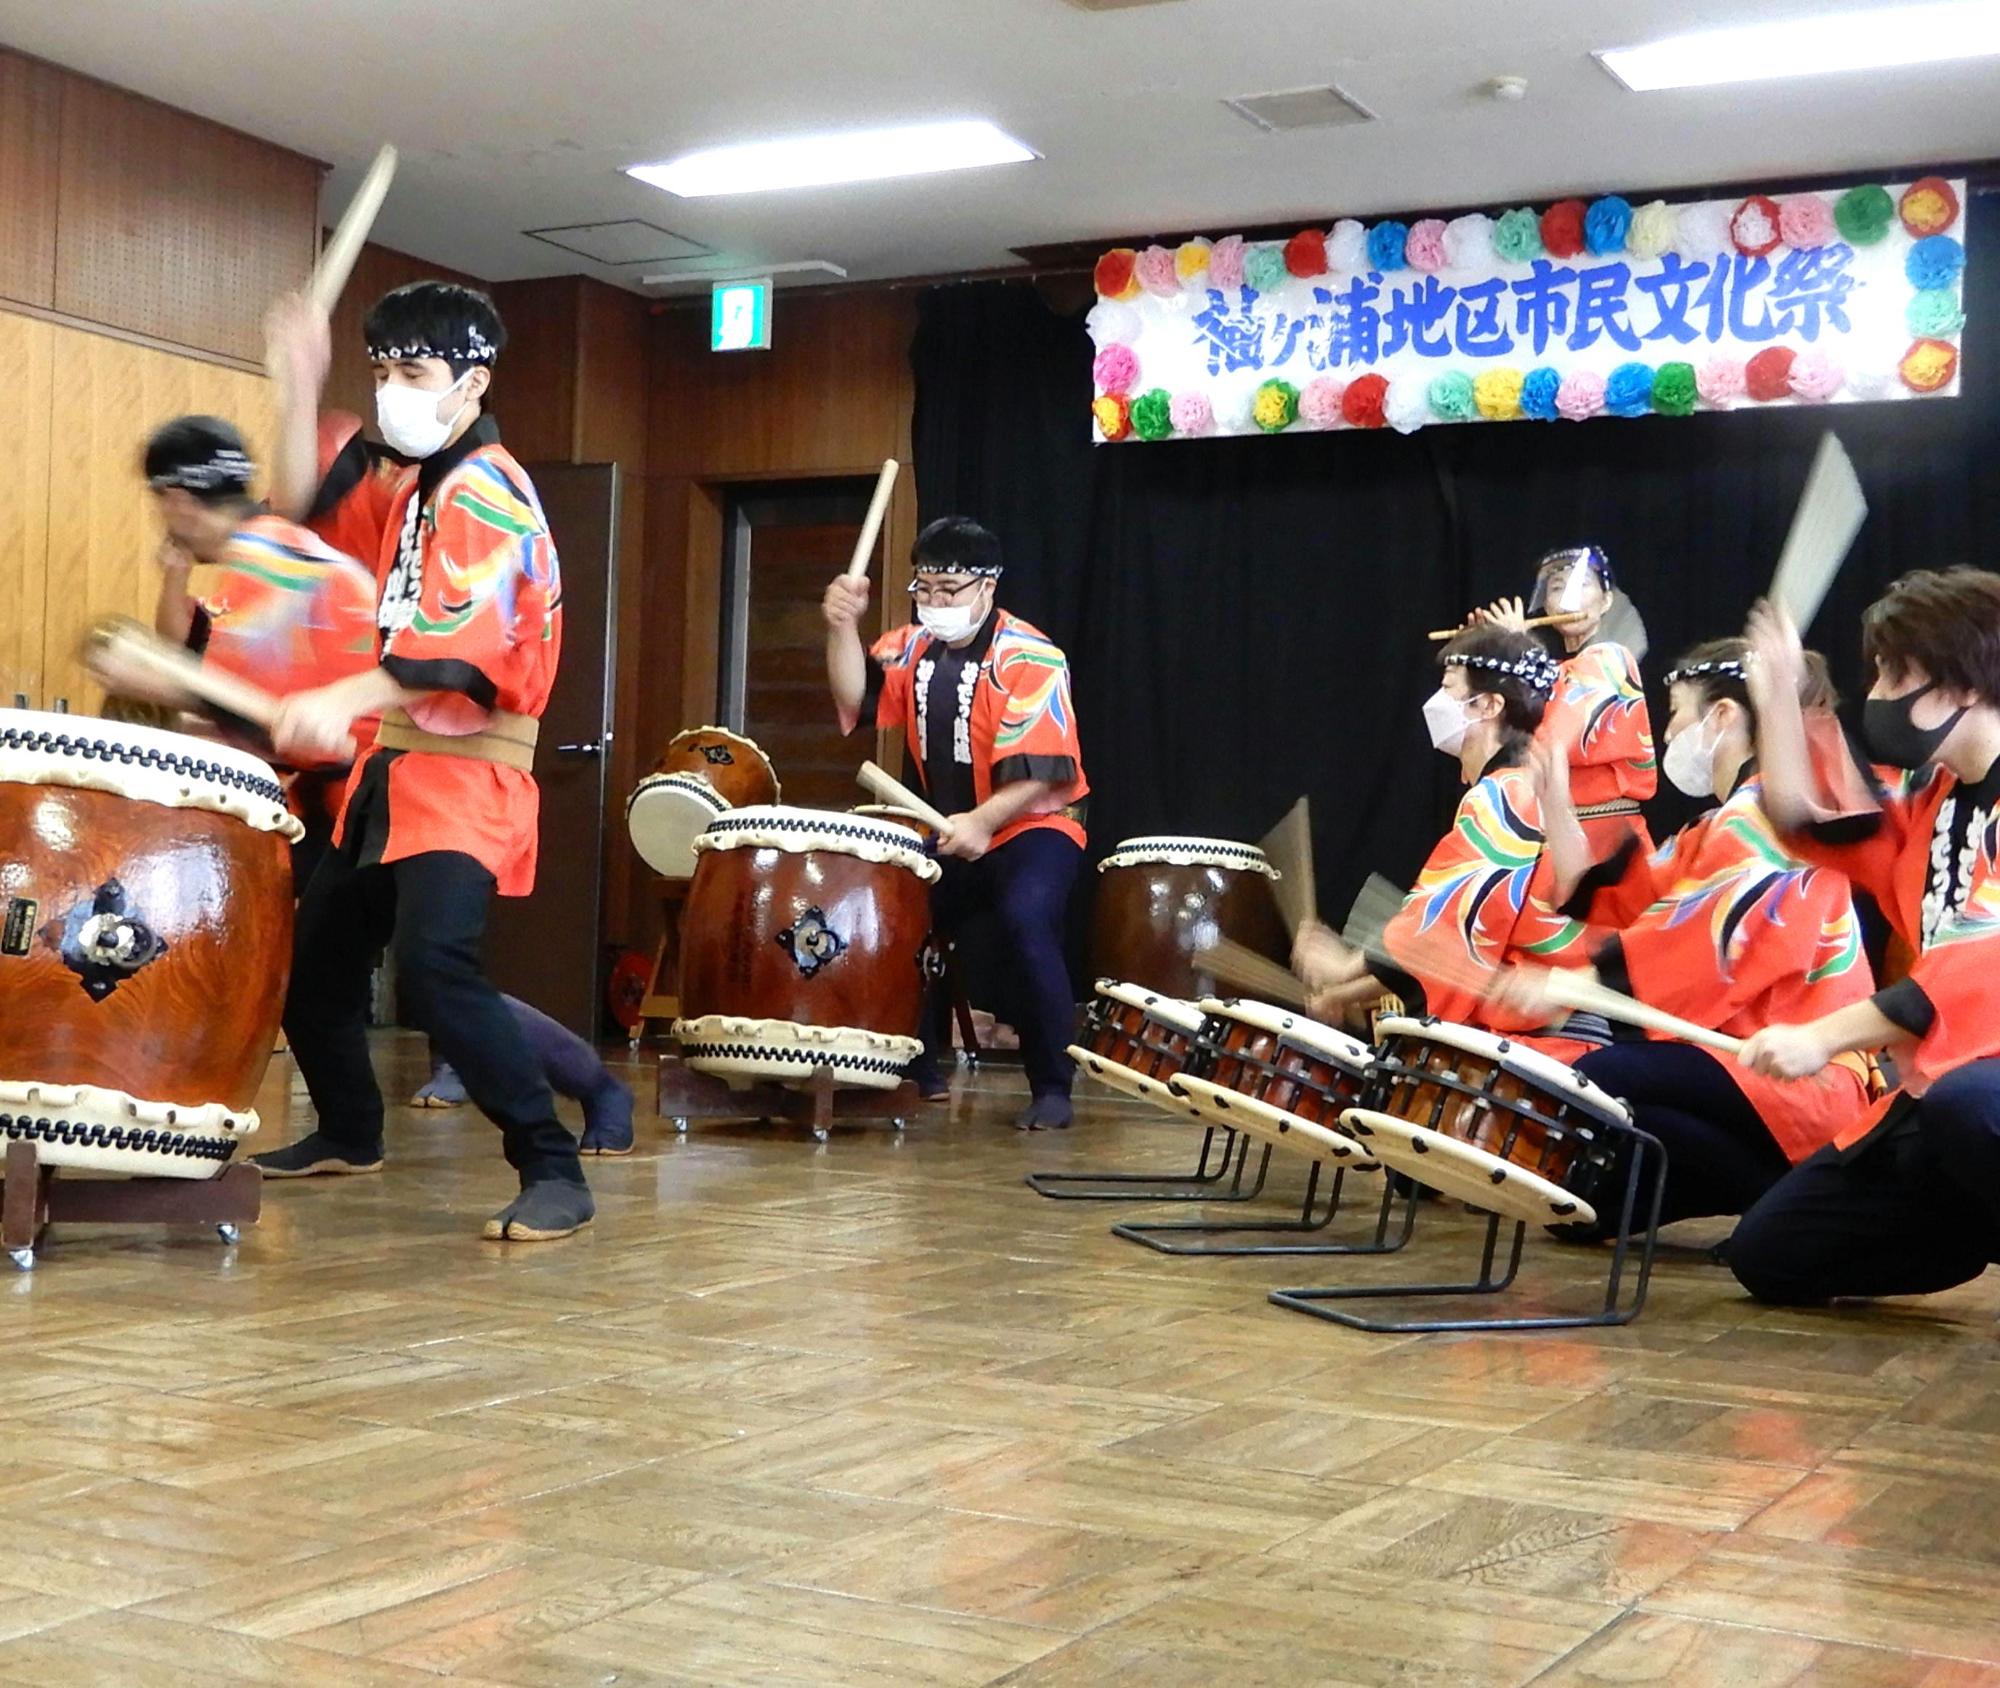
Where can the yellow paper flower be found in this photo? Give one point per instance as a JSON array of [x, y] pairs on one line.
[[1498, 394], [1191, 260], [1653, 229]]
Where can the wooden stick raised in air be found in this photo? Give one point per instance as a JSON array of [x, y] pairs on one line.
[[889, 789], [336, 263], [1288, 848], [1830, 513], [1242, 968], [871, 526]]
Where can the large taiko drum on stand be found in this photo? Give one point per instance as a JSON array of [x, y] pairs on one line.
[[705, 772], [146, 894], [805, 943], [1161, 901]]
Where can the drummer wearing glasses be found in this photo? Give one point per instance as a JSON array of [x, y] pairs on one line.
[[983, 701]]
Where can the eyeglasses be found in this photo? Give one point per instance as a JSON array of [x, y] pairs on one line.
[[937, 592]]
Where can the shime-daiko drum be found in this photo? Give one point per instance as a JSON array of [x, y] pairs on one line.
[[1161, 901], [805, 943], [146, 892], [705, 772]]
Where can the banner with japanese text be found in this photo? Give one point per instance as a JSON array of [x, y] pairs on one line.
[[1573, 312]]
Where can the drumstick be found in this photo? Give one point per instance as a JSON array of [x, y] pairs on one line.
[[871, 526], [336, 263], [1561, 620], [889, 789], [1830, 513], [1288, 848], [1573, 991], [1241, 967]]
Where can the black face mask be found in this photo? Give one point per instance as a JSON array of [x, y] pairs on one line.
[[1894, 738]]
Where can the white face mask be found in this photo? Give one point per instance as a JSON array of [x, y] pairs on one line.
[[408, 416], [949, 622], [1448, 720], [1689, 763]]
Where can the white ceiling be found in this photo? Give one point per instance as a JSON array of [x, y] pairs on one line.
[[516, 114]]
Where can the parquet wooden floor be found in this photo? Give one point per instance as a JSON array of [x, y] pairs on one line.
[[875, 1414]]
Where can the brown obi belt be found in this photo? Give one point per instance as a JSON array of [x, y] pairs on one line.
[[508, 739]]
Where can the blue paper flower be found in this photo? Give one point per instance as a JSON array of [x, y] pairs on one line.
[[1606, 224], [1629, 390], [1386, 242], [1934, 262], [1538, 394]]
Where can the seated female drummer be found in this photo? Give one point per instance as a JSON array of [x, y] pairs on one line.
[[1486, 897], [1723, 926]]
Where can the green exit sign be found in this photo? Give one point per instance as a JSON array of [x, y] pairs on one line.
[[739, 318]]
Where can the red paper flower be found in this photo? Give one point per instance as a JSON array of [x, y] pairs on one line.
[[1305, 253], [1562, 228], [1117, 273], [1928, 366], [1361, 404], [1758, 226], [1928, 207], [1114, 415], [1769, 375]]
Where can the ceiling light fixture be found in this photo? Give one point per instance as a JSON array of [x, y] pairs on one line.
[[1820, 45], [855, 155]]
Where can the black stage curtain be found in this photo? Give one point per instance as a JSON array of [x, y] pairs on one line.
[[1245, 618]]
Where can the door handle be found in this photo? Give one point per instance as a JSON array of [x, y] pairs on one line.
[[62, 706], [591, 749]]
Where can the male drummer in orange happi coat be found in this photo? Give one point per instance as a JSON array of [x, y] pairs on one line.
[[442, 811], [983, 701]]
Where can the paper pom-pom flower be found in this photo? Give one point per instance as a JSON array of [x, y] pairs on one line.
[[1425, 248], [1347, 247], [1814, 377], [1607, 224], [1517, 237], [1276, 406], [1754, 229], [1538, 394], [1629, 390], [1805, 221], [1451, 397], [1703, 231], [1721, 382], [1468, 241], [1361, 404], [1674, 389], [1191, 262], [1407, 405], [1562, 228], [1934, 313], [1768, 375], [1319, 404], [1386, 242], [1863, 214], [1581, 395], [1115, 369], [1934, 261], [1497, 394], [1117, 274], [1870, 383], [1153, 414], [1928, 366], [1109, 321], [1305, 253], [1157, 272], [1191, 413], [1653, 228], [1264, 267], [1225, 262], [1114, 416], [1928, 207]]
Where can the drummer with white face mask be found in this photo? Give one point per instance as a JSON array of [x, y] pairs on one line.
[[983, 701]]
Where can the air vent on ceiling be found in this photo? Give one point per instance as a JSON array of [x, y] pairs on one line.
[[1301, 108], [1115, 5], [626, 240]]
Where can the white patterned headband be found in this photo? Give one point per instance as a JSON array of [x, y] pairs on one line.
[[1534, 669], [1722, 668], [228, 467], [477, 349]]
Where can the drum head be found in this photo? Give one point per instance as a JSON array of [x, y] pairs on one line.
[[665, 815], [1458, 1170], [1188, 852], [1220, 1106]]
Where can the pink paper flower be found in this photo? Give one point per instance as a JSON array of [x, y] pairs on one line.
[[1815, 377], [1157, 274], [1115, 369], [1319, 404], [1581, 395], [1192, 413], [1225, 262], [1720, 382], [1347, 247], [1425, 248], [1805, 220]]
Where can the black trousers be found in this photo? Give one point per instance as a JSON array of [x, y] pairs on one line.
[[1026, 882], [1720, 1156], [1914, 1210], [431, 912]]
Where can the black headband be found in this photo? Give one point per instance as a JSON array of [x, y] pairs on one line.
[[992, 573], [1724, 668], [1535, 669], [477, 349], [227, 468]]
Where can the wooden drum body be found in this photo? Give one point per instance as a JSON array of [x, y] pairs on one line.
[[1489, 1121], [1136, 1040], [705, 772], [146, 892], [804, 943], [1161, 901], [1281, 1077]]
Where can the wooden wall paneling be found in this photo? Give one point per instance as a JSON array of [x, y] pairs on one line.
[[535, 382], [102, 531], [174, 227], [27, 355], [30, 133], [349, 384]]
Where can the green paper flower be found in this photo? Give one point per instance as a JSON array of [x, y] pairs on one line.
[[1152, 414], [1517, 237], [1935, 314], [1276, 406], [1452, 397], [1863, 214], [1673, 389], [1264, 268]]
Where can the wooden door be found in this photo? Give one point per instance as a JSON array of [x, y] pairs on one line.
[[26, 346]]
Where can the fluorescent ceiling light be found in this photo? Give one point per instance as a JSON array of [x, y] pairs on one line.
[[855, 155], [1879, 39]]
